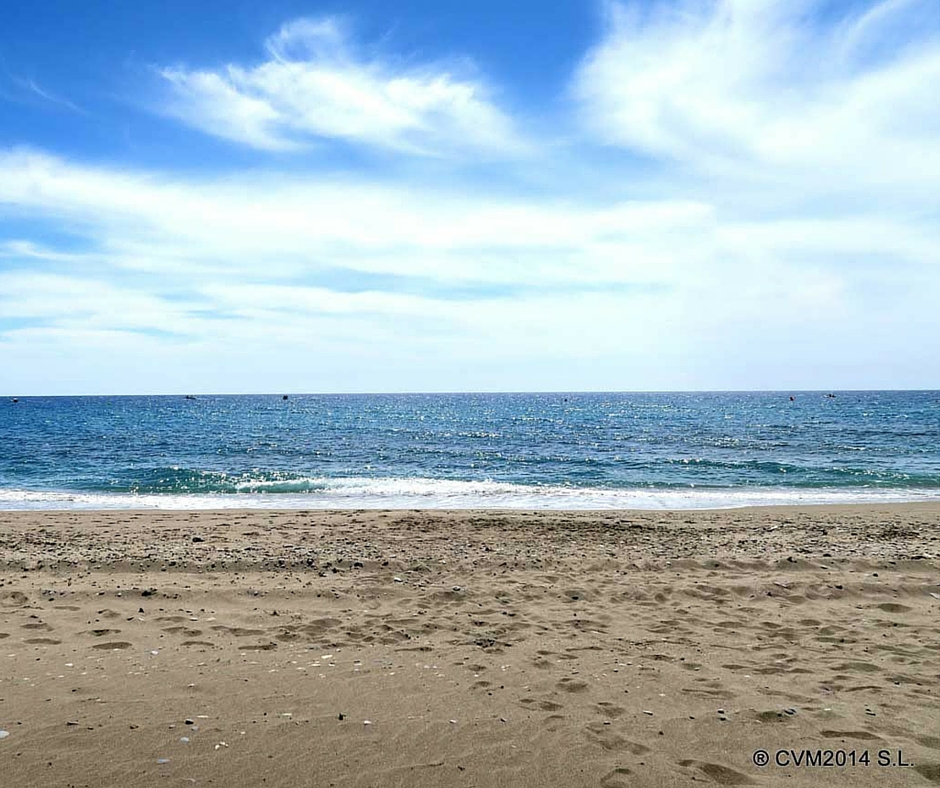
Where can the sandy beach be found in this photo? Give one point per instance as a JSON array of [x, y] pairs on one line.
[[478, 648]]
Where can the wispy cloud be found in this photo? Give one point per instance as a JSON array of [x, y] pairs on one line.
[[771, 92], [28, 90], [47, 95], [317, 84]]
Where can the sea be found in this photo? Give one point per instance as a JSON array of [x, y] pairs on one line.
[[458, 451]]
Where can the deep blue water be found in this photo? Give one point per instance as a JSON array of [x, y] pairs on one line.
[[469, 450]]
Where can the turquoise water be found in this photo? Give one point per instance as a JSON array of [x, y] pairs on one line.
[[575, 451]]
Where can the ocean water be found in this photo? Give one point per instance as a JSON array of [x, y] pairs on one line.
[[560, 451]]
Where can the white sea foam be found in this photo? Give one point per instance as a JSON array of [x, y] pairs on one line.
[[420, 493]]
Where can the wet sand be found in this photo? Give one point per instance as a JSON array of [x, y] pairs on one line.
[[470, 648]]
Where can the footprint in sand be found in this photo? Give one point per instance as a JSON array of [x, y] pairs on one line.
[[115, 645], [319, 626], [929, 770], [773, 715], [4, 635], [259, 647], [892, 607], [617, 778], [238, 631], [577, 595], [42, 642], [720, 774], [183, 631], [201, 643], [12, 598], [609, 709], [860, 667], [603, 736], [571, 685], [100, 632], [543, 705], [863, 735]]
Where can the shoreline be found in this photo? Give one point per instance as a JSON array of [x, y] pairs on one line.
[[926, 503], [469, 648], [214, 503]]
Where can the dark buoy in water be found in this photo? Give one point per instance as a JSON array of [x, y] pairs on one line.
[[792, 399], [189, 396], [284, 397], [15, 399]]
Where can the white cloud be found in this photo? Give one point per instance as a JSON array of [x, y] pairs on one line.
[[786, 229], [658, 293], [761, 91], [316, 84], [283, 225]]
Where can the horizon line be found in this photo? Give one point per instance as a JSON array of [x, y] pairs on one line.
[[450, 392]]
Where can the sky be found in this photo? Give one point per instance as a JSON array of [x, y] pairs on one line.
[[234, 197]]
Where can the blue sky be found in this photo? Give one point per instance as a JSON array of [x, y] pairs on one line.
[[416, 196]]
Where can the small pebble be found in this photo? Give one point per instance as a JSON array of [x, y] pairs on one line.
[[163, 760], [4, 734], [648, 712], [184, 739]]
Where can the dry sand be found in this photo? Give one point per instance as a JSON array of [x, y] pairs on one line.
[[469, 648]]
